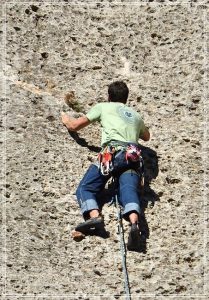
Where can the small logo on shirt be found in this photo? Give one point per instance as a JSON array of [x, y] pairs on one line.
[[128, 114], [125, 114]]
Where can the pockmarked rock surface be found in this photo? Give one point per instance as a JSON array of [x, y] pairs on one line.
[[77, 49]]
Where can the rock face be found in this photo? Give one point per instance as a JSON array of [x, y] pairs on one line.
[[62, 56]]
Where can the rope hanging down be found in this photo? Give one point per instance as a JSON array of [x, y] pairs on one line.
[[122, 243]]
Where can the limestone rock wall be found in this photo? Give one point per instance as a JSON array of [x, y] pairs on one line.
[[53, 49]]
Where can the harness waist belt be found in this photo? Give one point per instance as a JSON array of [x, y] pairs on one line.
[[119, 145]]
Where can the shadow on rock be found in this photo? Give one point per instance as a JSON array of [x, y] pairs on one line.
[[151, 171], [83, 143], [148, 195]]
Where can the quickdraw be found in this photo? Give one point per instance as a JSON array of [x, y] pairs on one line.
[[105, 160], [133, 153]]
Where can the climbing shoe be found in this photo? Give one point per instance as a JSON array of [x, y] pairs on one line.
[[93, 223], [134, 238]]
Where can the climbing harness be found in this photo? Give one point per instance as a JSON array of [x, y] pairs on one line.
[[122, 240], [132, 155]]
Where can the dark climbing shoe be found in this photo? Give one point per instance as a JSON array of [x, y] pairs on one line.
[[93, 223], [134, 238]]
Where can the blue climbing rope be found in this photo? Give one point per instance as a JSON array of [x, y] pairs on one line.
[[122, 242]]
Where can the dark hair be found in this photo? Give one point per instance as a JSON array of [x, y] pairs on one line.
[[118, 92]]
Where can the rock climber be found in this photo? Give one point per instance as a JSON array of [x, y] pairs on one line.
[[122, 127]]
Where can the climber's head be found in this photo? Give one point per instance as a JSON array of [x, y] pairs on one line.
[[118, 92]]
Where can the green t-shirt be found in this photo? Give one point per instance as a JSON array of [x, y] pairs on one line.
[[119, 122]]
